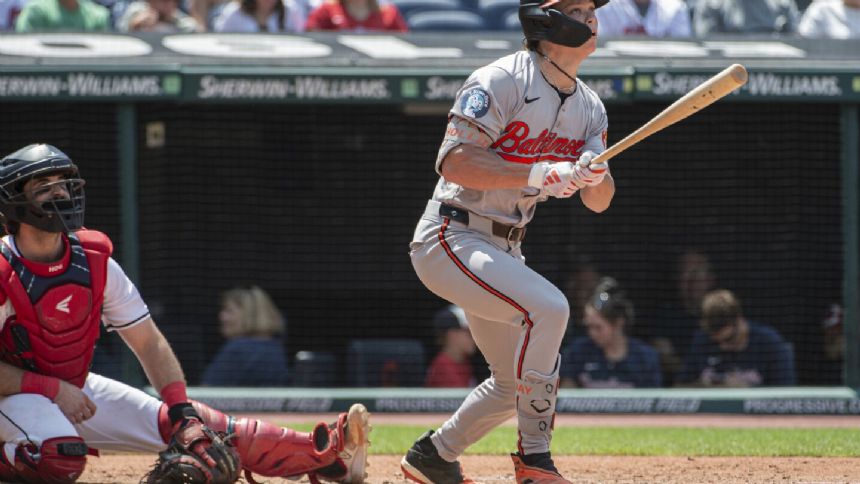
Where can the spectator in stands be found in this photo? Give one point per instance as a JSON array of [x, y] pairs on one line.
[[654, 18], [672, 329], [829, 371], [452, 366], [9, 11], [731, 351], [356, 16], [834, 338], [162, 16], [63, 16], [205, 11], [745, 17], [833, 19], [608, 357], [578, 288], [254, 354], [261, 16]]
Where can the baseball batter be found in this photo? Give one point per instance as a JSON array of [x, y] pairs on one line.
[[522, 129], [58, 283]]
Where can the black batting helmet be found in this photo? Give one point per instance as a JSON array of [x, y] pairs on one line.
[[54, 215], [541, 21]]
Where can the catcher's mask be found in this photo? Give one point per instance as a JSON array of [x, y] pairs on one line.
[[63, 211], [541, 21]]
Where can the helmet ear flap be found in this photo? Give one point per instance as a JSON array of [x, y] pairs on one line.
[[551, 25], [567, 31], [535, 21]]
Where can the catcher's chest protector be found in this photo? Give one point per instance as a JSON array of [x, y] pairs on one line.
[[57, 308]]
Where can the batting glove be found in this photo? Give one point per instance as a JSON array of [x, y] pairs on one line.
[[588, 173], [555, 179]]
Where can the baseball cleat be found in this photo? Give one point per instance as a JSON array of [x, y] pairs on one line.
[[422, 464], [354, 453], [541, 471]]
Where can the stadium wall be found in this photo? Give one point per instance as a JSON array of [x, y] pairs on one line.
[[307, 177]]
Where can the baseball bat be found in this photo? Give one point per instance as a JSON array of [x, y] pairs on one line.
[[699, 98]]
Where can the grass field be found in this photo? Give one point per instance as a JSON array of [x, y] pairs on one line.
[[650, 441]]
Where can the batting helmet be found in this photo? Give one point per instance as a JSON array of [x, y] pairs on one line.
[[541, 21], [54, 215]]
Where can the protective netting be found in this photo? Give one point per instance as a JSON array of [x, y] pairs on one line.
[[316, 205]]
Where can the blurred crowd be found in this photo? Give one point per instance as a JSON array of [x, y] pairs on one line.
[[838, 19], [700, 337]]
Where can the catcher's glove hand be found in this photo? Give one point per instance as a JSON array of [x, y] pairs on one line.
[[196, 455]]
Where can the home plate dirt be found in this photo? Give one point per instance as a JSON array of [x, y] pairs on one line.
[[129, 468]]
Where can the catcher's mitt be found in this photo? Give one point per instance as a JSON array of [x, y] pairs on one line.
[[196, 455]]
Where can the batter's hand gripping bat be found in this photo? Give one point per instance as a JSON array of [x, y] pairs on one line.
[[699, 98]]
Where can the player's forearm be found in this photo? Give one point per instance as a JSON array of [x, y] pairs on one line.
[[10, 379], [161, 365], [598, 197], [154, 354], [477, 168]]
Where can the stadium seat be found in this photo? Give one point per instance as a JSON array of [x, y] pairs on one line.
[[314, 369], [511, 21], [409, 7], [446, 20], [495, 12], [386, 363]]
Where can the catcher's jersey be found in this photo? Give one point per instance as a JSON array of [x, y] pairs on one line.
[[528, 121]]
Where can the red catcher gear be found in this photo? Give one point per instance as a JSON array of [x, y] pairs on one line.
[[57, 307], [272, 451], [59, 460]]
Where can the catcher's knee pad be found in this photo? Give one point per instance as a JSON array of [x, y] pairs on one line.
[[536, 396], [60, 460]]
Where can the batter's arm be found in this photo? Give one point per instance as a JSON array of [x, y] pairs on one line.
[[154, 353], [477, 168], [598, 197], [467, 161]]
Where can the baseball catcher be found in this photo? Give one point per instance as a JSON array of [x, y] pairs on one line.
[[58, 284]]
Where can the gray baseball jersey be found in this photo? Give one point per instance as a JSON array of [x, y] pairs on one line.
[[516, 316], [513, 104]]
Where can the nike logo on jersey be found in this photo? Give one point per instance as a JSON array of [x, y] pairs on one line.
[[529, 101], [64, 304]]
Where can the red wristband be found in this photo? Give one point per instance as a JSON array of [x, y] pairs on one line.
[[174, 393], [41, 384]]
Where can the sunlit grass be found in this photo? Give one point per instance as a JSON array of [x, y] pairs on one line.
[[643, 441]]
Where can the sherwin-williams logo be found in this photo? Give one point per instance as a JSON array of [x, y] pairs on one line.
[[171, 84]]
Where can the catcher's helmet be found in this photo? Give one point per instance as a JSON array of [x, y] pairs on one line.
[[541, 21], [55, 215]]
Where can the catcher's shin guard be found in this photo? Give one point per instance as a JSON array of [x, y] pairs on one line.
[[60, 460], [327, 452]]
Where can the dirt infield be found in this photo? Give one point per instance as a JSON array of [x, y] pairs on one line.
[[385, 469], [497, 469]]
